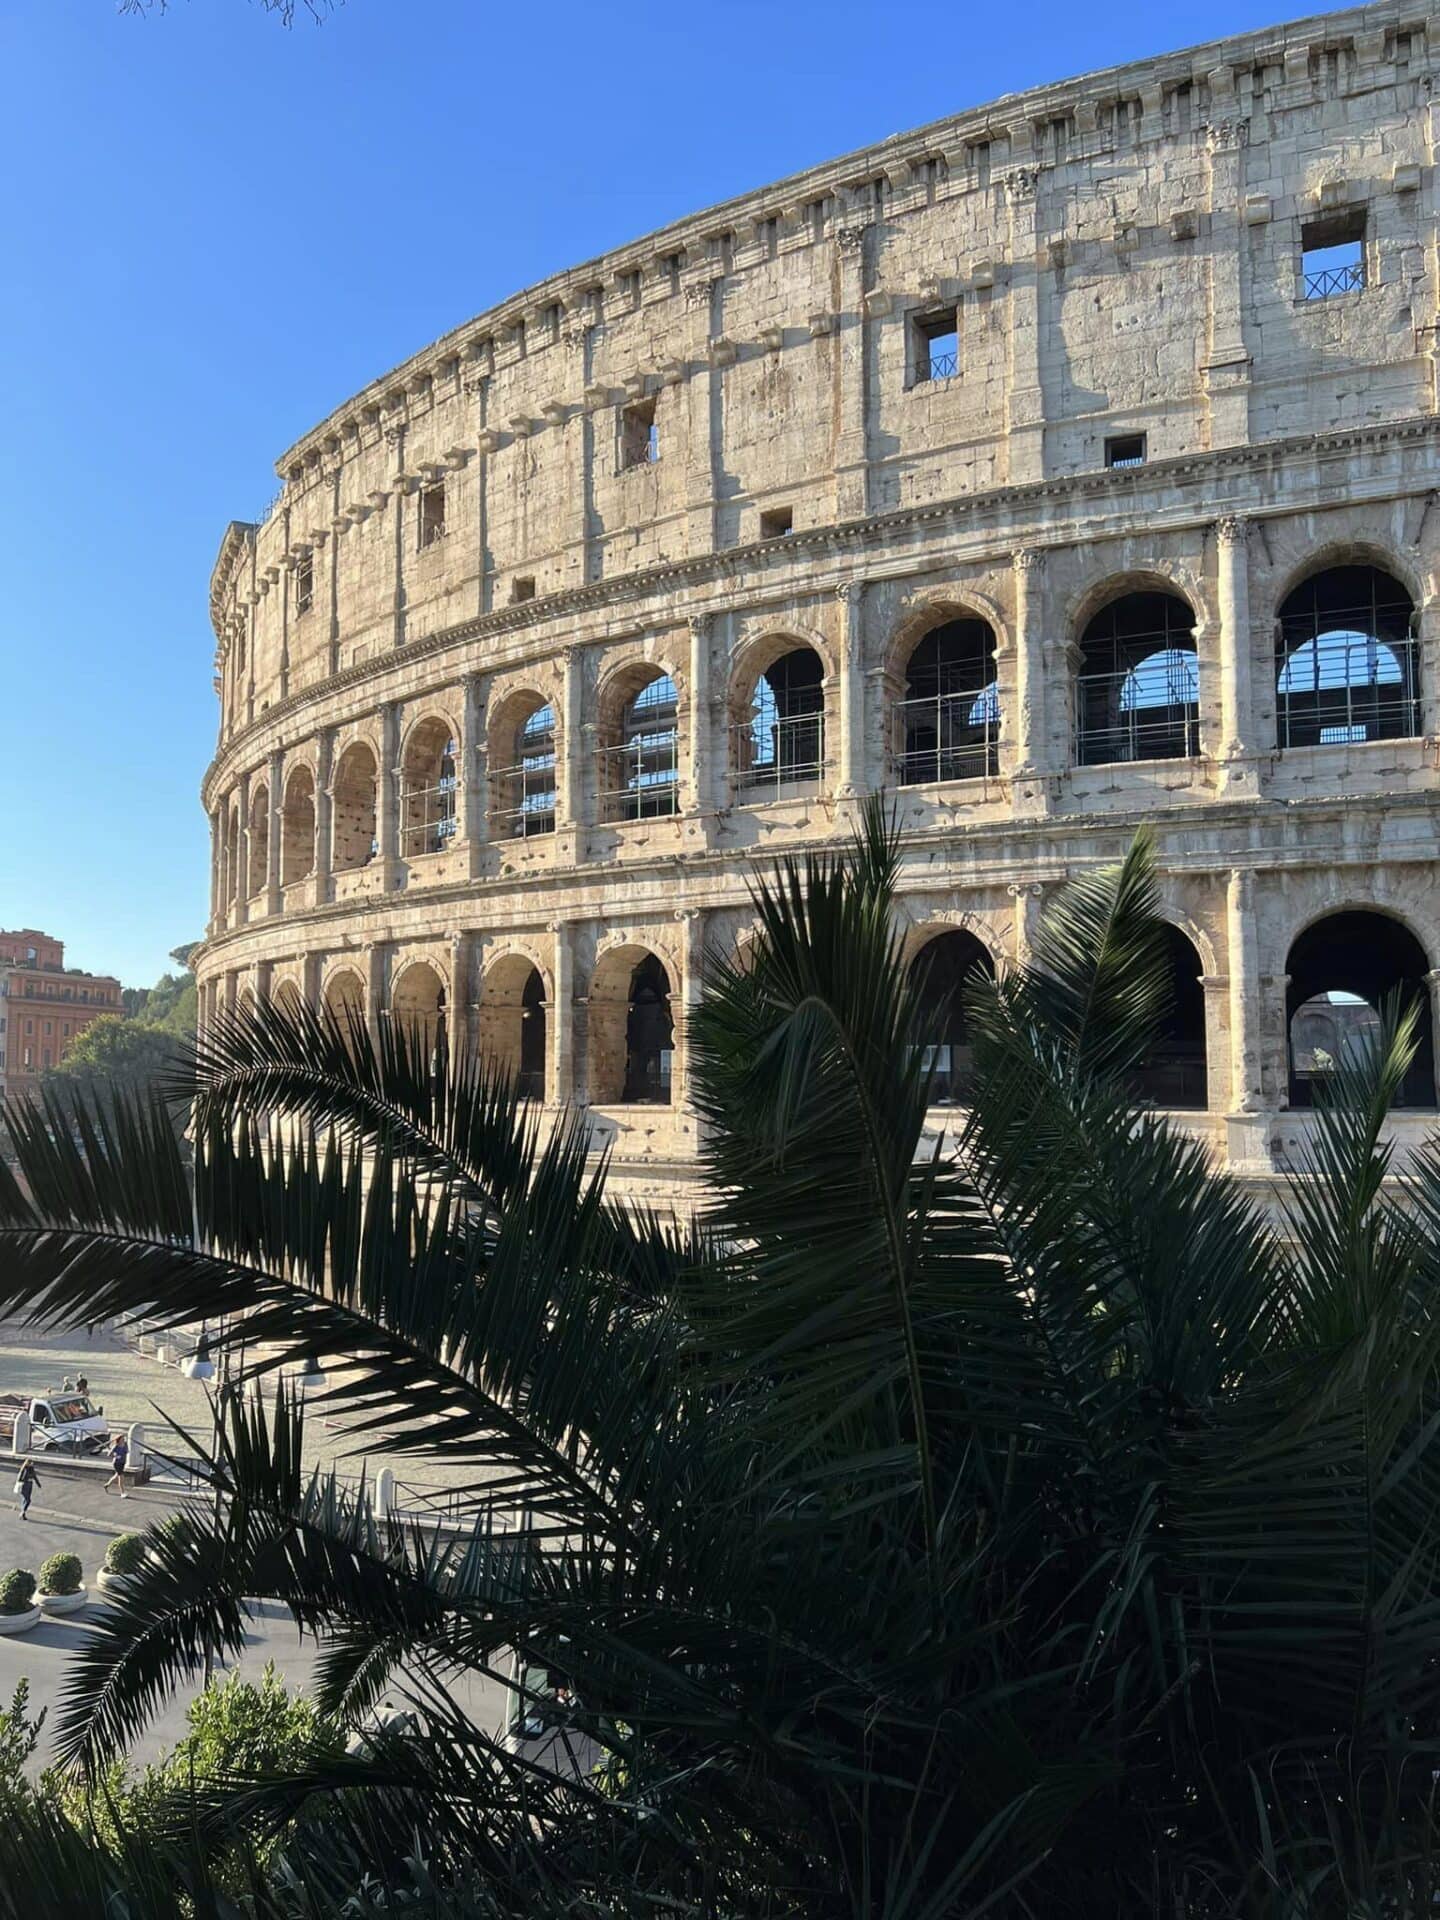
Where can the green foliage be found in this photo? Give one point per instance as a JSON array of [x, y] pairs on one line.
[[61, 1574], [125, 1553], [113, 1052], [1016, 1527], [17, 1591], [19, 1740]]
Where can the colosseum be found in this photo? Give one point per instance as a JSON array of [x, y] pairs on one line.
[[1063, 466]]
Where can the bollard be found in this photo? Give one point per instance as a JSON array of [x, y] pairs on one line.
[[20, 1442], [136, 1438], [385, 1491], [161, 1355]]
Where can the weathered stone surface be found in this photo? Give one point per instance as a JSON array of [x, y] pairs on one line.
[[488, 528]]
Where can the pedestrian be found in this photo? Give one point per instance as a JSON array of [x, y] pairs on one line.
[[26, 1482], [119, 1456], [82, 1385]]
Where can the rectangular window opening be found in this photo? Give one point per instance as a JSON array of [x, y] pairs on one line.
[[1125, 450], [978, 154], [304, 584], [776, 522], [639, 436], [432, 514], [1332, 255], [522, 587], [936, 342]]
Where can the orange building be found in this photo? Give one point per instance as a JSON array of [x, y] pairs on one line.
[[44, 1005]]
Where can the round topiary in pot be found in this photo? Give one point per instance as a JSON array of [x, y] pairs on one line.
[[124, 1556], [60, 1588], [18, 1611]]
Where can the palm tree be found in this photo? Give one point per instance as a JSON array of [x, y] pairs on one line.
[[1018, 1524]]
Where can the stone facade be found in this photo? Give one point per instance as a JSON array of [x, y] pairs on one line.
[[44, 1006], [1064, 466]]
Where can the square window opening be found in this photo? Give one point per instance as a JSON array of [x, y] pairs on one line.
[[776, 522], [1125, 450], [639, 436], [1332, 256], [432, 514], [936, 345], [522, 587]]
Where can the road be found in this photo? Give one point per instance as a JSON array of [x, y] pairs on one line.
[[72, 1515]]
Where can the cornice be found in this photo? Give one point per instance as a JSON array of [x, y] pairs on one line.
[[844, 540], [847, 183]]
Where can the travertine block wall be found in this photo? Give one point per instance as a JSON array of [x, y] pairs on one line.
[[1121, 254]]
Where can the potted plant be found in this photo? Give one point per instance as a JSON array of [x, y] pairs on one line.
[[124, 1556], [60, 1584], [18, 1612]]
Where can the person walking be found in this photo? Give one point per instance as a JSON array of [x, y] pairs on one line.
[[26, 1481], [119, 1458]]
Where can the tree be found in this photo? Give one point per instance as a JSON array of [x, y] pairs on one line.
[[115, 1052], [1024, 1528]]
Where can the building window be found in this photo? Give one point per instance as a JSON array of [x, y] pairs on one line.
[[1332, 256], [640, 770], [935, 346], [776, 522], [977, 155], [432, 514], [1347, 661], [639, 436], [522, 587], [1125, 450], [304, 583]]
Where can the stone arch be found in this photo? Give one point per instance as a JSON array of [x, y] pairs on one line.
[[1347, 657], [638, 727], [1160, 575], [1137, 675], [286, 998], [297, 825], [631, 1026], [1354, 551], [515, 1001], [920, 613], [943, 666], [522, 743], [418, 1004], [943, 959], [429, 784], [778, 701], [1339, 968], [343, 995], [1175, 1070], [258, 853], [354, 806]]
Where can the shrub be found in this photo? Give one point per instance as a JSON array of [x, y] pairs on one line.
[[125, 1553], [17, 1592], [61, 1574]]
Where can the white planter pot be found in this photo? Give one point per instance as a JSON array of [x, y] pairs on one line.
[[20, 1622], [112, 1582], [62, 1602]]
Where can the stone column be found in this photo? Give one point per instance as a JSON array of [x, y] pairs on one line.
[[560, 1087], [851, 758], [1024, 395], [1029, 899], [217, 870], [692, 972], [1246, 1130], [1226, 367], [851, 437], [696, 799], [242, 851], [1236, 698], [1216, 988], [474, 817], [377, 976], [570, 800], [1027, 724], [395, 441], [1432, 989], [387, 809], [324, 817], [312, 966], [704, 398], [274, 834], [460, 1010]]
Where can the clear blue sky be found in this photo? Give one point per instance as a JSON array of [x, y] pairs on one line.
[[215, 230]]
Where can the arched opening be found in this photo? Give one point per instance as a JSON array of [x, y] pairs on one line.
[[297, 833], [938, 973], [259, 838], [631, 1030], [286, 999], [781, 745], [1340, 970], [354, 808], [513, 1022], [1347, 660], [345, 998], [522, 769], [1173, 1072], [232, 855], [1137, 693], [417, 1004], [640, 757], [947, 725], [428, 790]]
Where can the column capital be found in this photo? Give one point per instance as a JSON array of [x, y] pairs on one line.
[[848, 592], [1029, 559], [1232, 529]]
